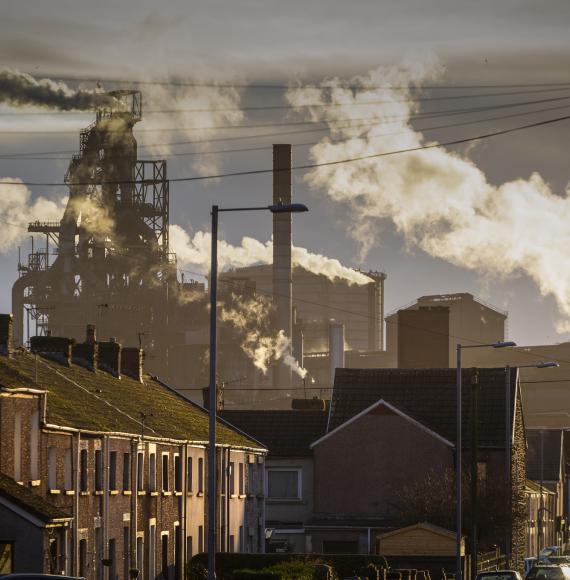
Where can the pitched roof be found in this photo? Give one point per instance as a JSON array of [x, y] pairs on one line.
[[285, 433], [544, 454], [428, 396], [31, 502], [81, 399]]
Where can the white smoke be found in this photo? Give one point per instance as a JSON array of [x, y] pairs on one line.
[[198, 110], [17, 209], [251, 318], [195, 251], [438, 200]]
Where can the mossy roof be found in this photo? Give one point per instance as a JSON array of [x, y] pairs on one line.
[[32, 502], [96, 401]]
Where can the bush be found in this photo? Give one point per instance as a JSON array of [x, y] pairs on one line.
[[283, 571], [228, 563]]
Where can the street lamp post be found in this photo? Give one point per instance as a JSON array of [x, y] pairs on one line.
[[458, 450], [275, 208], [508, 439]]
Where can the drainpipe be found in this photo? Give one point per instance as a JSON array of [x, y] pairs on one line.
[[106, 569], [134, 503], [76, 505], [184, 497]]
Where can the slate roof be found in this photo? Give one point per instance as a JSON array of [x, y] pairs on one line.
[[81, 399], [284, 433], [428, 396], [551, 451], [31, 502]]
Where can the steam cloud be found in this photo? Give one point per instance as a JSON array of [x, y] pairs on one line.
[[195, 251], [17, 209], [251, 319], [23, 90], [439, 200]]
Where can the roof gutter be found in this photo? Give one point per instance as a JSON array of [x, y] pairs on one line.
[[148, 437]]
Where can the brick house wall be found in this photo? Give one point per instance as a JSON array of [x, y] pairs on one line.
[[106, 517]]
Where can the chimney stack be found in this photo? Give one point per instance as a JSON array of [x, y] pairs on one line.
[[282, 269], [91, 334], [58, 348], [86, 353], [6, 334], [132, 359], [110, 357]]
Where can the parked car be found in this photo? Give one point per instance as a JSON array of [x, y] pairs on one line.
[[549, 572], [499, 575], [529, 563], [550, 551]]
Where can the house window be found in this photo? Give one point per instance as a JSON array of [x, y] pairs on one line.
[[68, 470], [177, 474], [164, 554], [126, 471], [6, 557], [152, 472], [178, 551], [189, 552], [126, 552], [189, 475], [113, 558], [98, 470], [113, 470], [83, 558], [83, 470], [200, 475], [224, 474], [34, 445], [140, 556], [241, 479], [140, 471], [18, 446], [152, 552], [284, 483], [52, 468], [200, 539], [232, 478], [165, 472]]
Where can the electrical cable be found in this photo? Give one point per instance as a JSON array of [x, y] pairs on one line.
[[302, 106], [369, 137], [366, 120], [300, 167]]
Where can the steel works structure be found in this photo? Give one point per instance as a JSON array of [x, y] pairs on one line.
[[112, 264]]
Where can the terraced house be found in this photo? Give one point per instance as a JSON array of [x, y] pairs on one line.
[[103, 468]]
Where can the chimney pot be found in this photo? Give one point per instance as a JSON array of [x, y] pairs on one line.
[[91, 334], [132, 363]]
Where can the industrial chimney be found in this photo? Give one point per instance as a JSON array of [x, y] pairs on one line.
[[282, 271], [336, 347]]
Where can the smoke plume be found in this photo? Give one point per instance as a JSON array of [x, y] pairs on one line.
[[438, 200], [195, 251], [251, 319], [17, 209], [23, 90]]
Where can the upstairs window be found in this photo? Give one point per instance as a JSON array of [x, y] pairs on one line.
[[52, 468], [113, 470], [200, 475], [284, 484], [140, 471], [126, 471], [98, 470], [84, 480], [165, 474], [189, 483], [177, 474]]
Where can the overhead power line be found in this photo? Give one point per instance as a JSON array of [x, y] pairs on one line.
[[23, 113], [47, 156], [305, 166], [364, 120], [177, 82]]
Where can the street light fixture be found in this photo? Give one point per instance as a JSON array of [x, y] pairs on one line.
[[508, 437], [274, 208], [458, 448]]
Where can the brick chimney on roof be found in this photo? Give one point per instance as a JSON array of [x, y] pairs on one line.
[[110, 357], [6, 333], [132, 362], [86, 353], [58, 348]]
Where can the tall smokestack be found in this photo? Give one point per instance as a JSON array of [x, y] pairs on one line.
[[336, 347], [282, 271]]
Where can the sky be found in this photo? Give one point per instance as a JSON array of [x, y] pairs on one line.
[[458, 43]]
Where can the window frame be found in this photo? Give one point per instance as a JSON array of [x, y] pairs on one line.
[[299, 472]]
